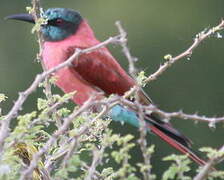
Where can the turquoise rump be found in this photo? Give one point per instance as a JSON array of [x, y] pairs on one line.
[[123, 115]]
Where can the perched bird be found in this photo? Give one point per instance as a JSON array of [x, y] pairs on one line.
[[25, 152], [64, 32]]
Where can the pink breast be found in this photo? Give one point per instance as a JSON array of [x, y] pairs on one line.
[[66, 78]]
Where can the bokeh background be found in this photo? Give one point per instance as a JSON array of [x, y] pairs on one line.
[[155, 28]]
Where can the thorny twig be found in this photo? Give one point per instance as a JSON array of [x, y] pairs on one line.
[[130, 58], [97, 157], [197, 41], [180, 114], [142, 123], [143, 143], [203, 173], [168, 115], [36, 13]]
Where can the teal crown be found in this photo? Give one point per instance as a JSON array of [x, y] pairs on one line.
[[61, 23]]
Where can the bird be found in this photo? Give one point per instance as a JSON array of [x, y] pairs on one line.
[[25, 152], [65, 31]]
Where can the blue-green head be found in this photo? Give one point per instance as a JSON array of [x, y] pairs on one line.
[[60, 23]]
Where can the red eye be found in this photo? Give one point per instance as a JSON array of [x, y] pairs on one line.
[[59, 21]]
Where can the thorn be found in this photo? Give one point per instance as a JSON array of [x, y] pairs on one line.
[[135, 59], [107, 160], [196, 122], [218, 35], [212, 125], [122, 123]]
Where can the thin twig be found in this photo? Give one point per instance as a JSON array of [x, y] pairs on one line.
[[168, 115], [143, 143], [187, 53], [142, 123], [97, 157], [204, 172], [96, 173], [123, 43], [36, 14], [180, 114]]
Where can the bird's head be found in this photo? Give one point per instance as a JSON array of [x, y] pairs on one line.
[[60, 23]]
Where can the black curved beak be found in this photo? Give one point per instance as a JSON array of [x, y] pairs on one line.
[[21, 17]]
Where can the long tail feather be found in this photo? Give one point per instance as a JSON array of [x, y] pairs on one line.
[[160, 128], [182, 148]]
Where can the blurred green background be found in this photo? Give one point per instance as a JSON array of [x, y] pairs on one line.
[[155, 28]]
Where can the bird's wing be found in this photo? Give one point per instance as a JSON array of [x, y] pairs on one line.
[[101, 70]]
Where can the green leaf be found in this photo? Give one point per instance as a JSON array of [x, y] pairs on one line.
[[3, 97], [42, 104], [141, 78]]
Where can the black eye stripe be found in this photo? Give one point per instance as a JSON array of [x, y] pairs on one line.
[[59, 22], [52, 22]]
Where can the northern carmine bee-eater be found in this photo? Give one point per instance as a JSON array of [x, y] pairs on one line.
[[94, 72]]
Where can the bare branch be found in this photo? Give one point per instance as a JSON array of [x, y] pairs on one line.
[[97, 157], [182, 115], [197, 41], [123, 43], [37, 15], [168, 115], [142, 124], [143, 143]]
